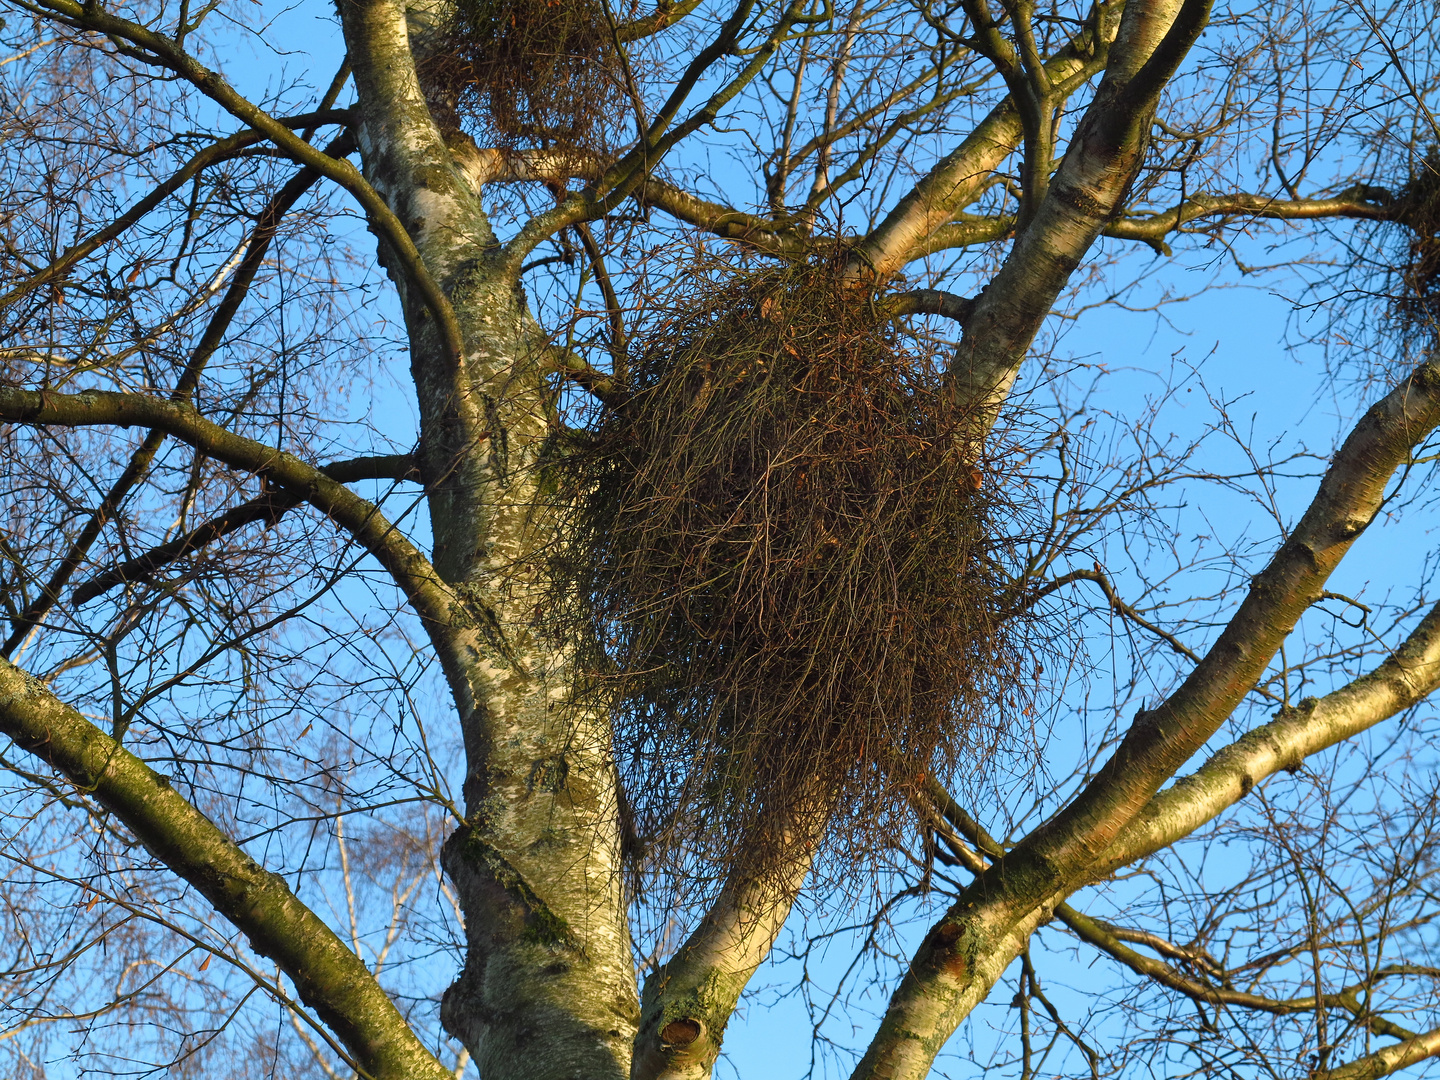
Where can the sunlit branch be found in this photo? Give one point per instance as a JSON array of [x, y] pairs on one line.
[[931, 302], [1405, 678], [633, 169], [601, 385], [430, 597], [330, 978], [967, 231], [687, 1001], [967, 171], [1086, 193], [1402, 680], [1161, 739], [1366, 203], [1030, 89], [667, 13], [490, 165], [765, 234], [956, 964], [1389, 1060], [1111, 940], [902, 124]]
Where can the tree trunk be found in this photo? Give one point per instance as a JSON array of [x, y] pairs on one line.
[[548, 987]]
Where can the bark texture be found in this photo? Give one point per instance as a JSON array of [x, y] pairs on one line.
[[548, 988]]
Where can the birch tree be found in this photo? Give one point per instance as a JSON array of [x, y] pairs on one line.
[[289, 729]]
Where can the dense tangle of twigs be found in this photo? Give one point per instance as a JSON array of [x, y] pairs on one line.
[[1418, 303], [532, 74], [783, 559]]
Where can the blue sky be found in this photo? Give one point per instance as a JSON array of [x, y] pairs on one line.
[[1239, 340]]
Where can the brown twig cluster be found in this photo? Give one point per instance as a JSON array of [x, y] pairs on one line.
[[784, 558], [533, 74], [1418, 304]]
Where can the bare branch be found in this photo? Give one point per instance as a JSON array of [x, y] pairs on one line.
[[489, 165], [635, 167], [329, 977], [1389, 1060], [994, 915], [213, 85], [963, 174], [688, 1000], [256, 249], [1366, 203], [1405, 678], [431, 598], [1095, 933], [269, 508], [1161, 739], [1086, 193], [667, 13]]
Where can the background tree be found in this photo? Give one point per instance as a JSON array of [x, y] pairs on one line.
[[315, 697]]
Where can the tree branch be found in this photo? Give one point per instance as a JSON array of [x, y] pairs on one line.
[[492, 165], [216, 152], [1402, 680], [330, 978], [667, 13], [1095, 933], [427, 594], [967, 950], [754, 230], [1086, 193], [633, 170], [962, 175], [1142, 89], [966, 231], [267, 225], [1362, 202], [1161, 739], [613, 311], [688, 1000], [269, 508], [1389, 1060], [1110, 939], [931, 302], [90, 16]]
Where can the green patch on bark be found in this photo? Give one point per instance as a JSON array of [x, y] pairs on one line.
[[710, 1001], [542, 926]]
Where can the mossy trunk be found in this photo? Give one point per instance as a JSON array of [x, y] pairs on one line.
[[548, 987], [547, 991]]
